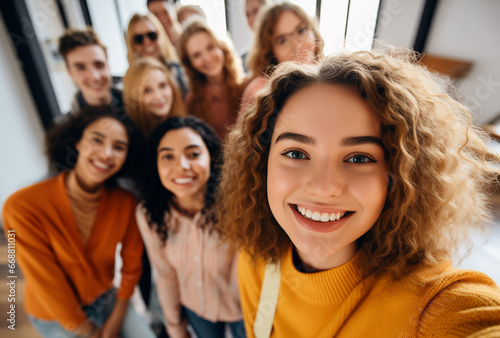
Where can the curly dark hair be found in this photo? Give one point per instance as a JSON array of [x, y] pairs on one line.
[[61, 140], [156, 196], [438, 162]]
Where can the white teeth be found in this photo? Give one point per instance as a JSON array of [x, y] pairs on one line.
[[316, 216], [325, 217], [184, 180], [320, 217], [101, 165]]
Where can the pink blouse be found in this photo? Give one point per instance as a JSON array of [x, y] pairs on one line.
[[194, 269]]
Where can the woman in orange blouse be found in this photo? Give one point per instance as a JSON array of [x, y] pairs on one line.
[[67, 229], [196, 271]]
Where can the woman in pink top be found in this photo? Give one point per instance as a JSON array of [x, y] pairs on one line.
[[196, 272], [215, 75], [283, 32]]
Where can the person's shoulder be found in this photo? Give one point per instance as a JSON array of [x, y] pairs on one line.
[[248, 265], [33, 192], [31, 198], [461, 301]]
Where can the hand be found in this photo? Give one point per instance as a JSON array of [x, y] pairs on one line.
[[113, 325], [86, 328]]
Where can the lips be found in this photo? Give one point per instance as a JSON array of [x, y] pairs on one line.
[[320, 220]]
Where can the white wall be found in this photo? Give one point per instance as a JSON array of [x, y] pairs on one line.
[[48, 28], [461, 29], [470, 30], [21, 132]]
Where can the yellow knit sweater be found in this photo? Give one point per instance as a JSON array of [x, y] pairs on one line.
[[341, 303]]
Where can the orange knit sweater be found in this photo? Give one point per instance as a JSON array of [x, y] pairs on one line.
[[61, 273], [341, 303]]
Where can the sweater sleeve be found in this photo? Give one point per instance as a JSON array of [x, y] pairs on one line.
[[250, 278], [39, 265], [165, 279], [131, 254], [467, 307]]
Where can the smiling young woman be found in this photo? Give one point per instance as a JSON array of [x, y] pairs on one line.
[[196, 271], [344, 185], [215, 75], [283, 32], [151, 95], [68, 228]]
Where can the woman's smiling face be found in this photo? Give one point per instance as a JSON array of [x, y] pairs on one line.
[[327, 174]]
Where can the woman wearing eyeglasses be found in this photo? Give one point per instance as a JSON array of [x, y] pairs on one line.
[[147, 37], [283, 32]]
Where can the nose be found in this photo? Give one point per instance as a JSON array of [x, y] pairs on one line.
[[325, 181], [107, 152], [184, 163], [94, 73]]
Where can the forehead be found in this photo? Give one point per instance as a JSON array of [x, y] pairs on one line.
[[327, 111], [143, 26], [286, 23], [85, 54], [180, 138], [109, 127], [155, 75], [197, 41]]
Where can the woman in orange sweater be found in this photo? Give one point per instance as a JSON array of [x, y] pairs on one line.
[[347, 186], [67, 229]]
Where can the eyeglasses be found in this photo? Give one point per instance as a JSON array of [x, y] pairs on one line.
[[139, 38], [300, 33]]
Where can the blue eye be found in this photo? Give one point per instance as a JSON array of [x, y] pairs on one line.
[[359, 159], [295, 155]]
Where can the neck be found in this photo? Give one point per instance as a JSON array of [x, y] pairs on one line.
[[190, 205], [85, 186], [324, 260], [98, 101], [216, 81]]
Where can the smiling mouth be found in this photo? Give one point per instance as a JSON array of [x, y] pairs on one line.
[[184, 180], [101, 166], [321, 216]]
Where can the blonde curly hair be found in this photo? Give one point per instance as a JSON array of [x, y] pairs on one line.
[[232, 70], [134, 82], [261, 59], [438, 163]]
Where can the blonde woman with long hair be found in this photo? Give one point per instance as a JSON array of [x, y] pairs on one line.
[[151, 95], [215, 76]]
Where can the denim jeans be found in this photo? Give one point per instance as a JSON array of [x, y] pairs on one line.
[[97, 312], [207, 329]]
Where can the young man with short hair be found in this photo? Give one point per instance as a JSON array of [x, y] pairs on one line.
[[87, 63]]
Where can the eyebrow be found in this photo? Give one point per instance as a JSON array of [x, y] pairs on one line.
[[346, 141], [296, 137], [357, 140], [285, 34], [171, 149], [104, 136]]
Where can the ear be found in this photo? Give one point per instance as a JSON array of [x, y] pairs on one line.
[[78, 145]]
